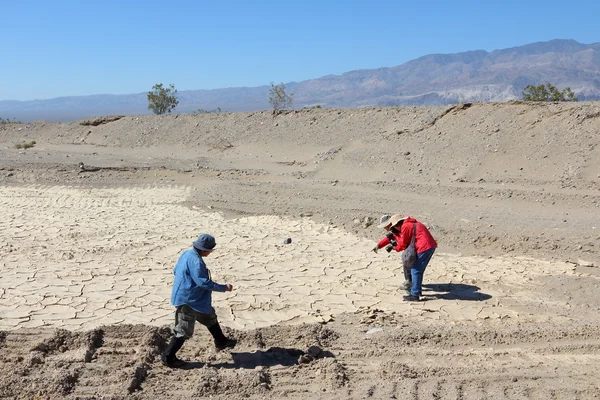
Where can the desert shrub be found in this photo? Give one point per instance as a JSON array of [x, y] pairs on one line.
[[547, 92], [9, 121], [161, 99], [279, 98], [25, 145], [203, 111]]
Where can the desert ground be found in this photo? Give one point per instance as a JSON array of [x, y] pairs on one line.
[[95, 214]]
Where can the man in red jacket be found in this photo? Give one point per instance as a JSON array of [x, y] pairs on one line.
[[401, 231]]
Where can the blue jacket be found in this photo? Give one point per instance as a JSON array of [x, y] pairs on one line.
[[193, 285]]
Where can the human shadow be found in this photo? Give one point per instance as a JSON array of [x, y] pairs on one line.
[[268, 358], [454, 291]]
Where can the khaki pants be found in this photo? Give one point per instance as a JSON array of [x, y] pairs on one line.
[[186, 318]]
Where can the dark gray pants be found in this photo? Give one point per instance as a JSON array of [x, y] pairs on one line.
[[186, 318], [407, 273]]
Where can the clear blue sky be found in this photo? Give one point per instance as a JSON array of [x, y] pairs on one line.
[[80, 47]]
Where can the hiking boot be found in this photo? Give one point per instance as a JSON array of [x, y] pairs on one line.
[[228, 344], [172, 362], [411, 298], [406, 286], [168, 357], [222, 342]]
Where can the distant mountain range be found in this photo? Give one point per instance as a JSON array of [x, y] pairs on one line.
[[435, 79]]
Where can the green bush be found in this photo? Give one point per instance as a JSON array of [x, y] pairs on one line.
[[25, 145], [547, 92], [279, 98], [161, 99]]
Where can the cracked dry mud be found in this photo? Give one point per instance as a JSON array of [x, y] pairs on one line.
[[511, 304]]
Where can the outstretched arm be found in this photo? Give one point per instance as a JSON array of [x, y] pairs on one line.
[[382, 243], [200, 276]]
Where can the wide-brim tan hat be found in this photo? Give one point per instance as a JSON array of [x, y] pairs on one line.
[[395, 219], [384, 221]]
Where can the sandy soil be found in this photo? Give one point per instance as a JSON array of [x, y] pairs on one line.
[[510, 191]]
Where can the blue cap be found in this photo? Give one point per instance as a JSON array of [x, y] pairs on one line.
[[205, 242]]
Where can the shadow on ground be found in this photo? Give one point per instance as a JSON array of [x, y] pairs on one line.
[[454, 291], [267, 358]]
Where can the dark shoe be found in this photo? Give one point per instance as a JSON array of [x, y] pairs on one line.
[[222, 342], [411, 298], [169, 357], [228, 344], [173, 362]]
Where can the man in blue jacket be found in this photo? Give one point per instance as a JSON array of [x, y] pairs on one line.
[[192, 295]]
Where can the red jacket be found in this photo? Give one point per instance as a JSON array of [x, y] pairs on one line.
[[423, 242]]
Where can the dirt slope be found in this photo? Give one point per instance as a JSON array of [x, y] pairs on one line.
[[489, 178]]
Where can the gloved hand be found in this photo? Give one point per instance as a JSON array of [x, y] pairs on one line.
[[375, 249]]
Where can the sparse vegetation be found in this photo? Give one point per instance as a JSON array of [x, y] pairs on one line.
[[25, 145], [221, 144], [547, 92], [161, 99], [9, 121], [279, 98], [203, 111]]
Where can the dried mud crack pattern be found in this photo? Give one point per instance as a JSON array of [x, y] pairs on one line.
[[80, 258]]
